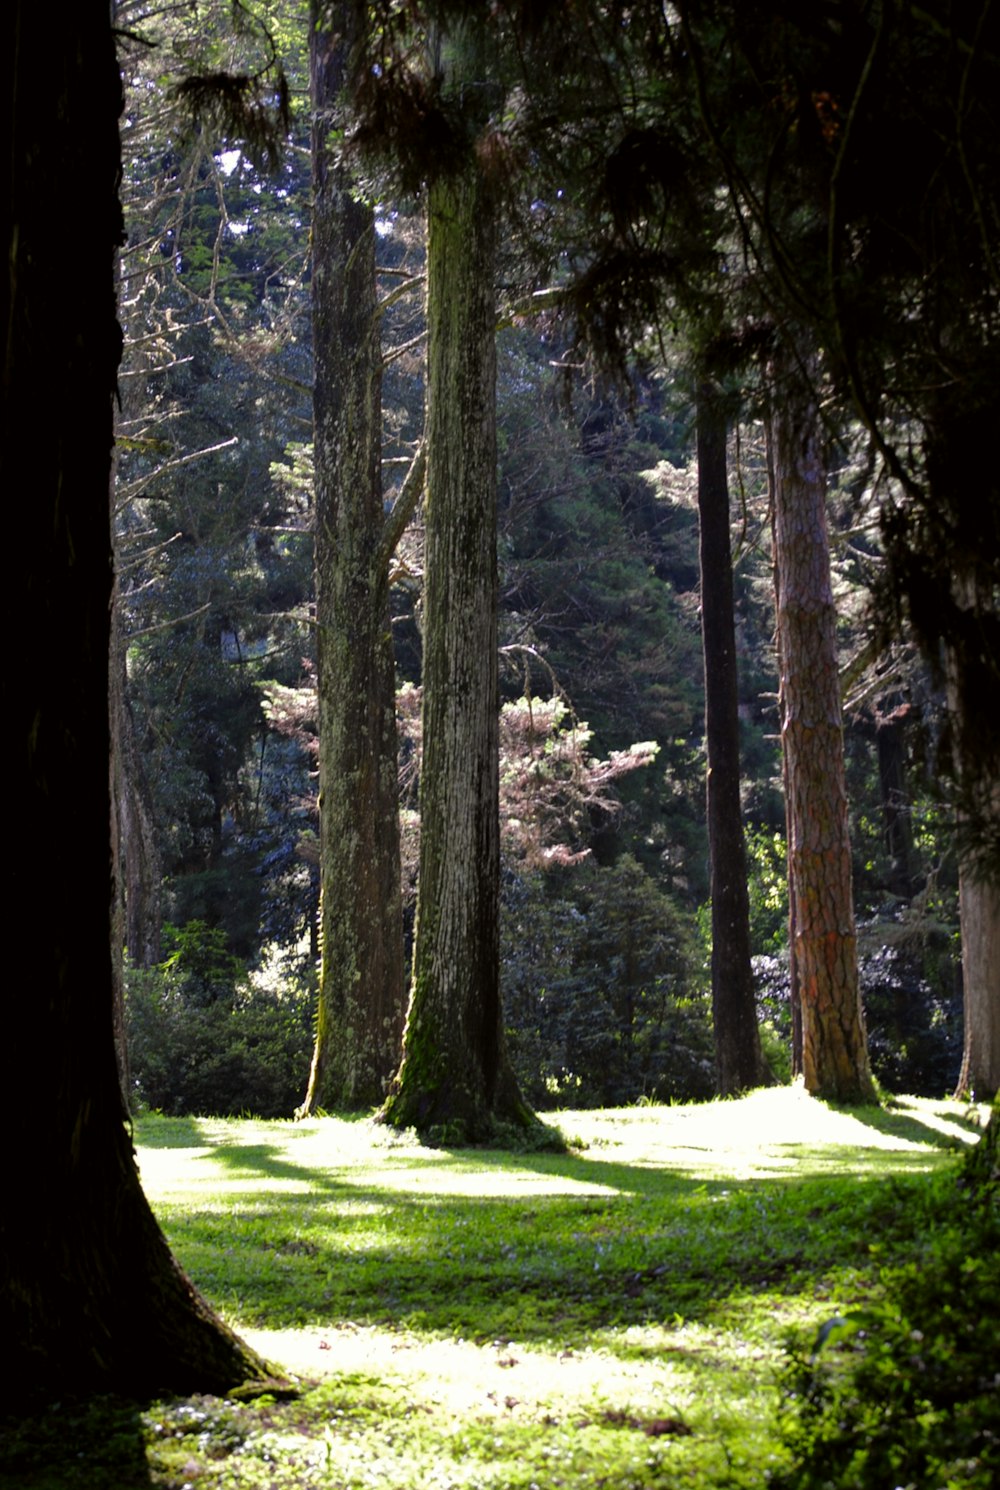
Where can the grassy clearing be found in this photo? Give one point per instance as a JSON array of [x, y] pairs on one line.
[[614, 1316]]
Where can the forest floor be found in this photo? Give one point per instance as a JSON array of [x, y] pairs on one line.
[[620, 1315]]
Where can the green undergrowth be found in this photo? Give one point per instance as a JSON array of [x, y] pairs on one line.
[[639, 1311]]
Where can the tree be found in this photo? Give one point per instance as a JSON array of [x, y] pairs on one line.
[[455, 1073], [739, 1061], [91, 1294], [361, 999], [979, 908], [834, 1053], [861, 159], [213, 563]]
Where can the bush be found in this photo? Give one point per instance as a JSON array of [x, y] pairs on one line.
[[205, 1037], [905, 1392], [913, 1016], [598, 994]]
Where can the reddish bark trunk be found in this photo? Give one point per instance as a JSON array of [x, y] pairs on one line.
[[834, 1052]]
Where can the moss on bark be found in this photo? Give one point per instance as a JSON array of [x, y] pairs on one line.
[[455, 1076]]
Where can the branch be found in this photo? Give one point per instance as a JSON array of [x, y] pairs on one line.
[[134, 487], [123, 567], [173, 621], [397, 294], [532, 305], [402, 510], [407, 346]]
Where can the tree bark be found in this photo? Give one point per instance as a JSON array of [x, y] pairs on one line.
[[361, 996], [794, 993], [978, 886], [979, 912], [834, 1051], [455, 1073], [738, 1058], [89, 1293]]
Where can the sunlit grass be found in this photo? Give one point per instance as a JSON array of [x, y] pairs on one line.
[[613, 1315]]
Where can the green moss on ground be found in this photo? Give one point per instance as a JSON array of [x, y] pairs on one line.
[[619, 1314]]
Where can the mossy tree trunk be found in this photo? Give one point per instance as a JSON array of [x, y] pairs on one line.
[[834, 1049], [90, 1296], [455, 1074], [738, 1058], [362, 993]]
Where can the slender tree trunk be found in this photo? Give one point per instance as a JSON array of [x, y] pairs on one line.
[[794, 993], [738, 1058], [89, 1293], [139, 870], [361, 997], [834, 1052], [455, 1073]]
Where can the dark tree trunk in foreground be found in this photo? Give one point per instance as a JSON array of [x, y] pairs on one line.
[[834, 1050], [91, 1296], [361, 996], [455, 1073], [738, 1059]]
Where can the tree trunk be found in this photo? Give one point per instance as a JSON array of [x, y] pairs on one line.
[[140, 912], [834, 1052], [455, 1074], [361, 996], [738, 1058], [794, 993], [978, 886], [91, 1296], [979, 911]]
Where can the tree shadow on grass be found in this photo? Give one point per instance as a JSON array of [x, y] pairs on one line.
[[629, 1246], [909, 1124], [268, 1161], [158, 1132]]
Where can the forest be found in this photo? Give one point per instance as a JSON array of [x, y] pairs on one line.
[[513, 541], [277, 298]]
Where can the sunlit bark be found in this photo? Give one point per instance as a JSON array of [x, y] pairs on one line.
[[834, 1051]]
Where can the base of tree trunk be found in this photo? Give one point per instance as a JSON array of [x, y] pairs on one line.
[[93, 1299], [456, 1113]]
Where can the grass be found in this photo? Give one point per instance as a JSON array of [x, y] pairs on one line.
[[617, 1315]]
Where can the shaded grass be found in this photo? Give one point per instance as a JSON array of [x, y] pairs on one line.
[[615, 1315]]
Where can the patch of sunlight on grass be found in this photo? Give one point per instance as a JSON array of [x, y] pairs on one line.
[[460, 1377], [774, 1133], [770, 1130]]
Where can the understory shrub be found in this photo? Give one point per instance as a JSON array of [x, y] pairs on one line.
[[600, 999], [207, 1037], [912, 1004], [906, 1392]]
